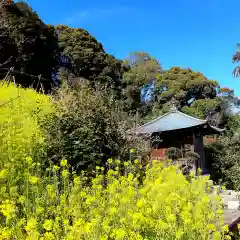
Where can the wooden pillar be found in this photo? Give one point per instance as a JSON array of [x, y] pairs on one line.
[[199, 149]]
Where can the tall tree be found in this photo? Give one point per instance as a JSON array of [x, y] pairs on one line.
[[236, 59], [87, 57], [143, 71], [224, 155], [36, 44], [185, 86], [192, 93]]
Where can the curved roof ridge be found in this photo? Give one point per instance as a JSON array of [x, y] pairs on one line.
[[173, 111], [217, 129], [198, 119], [171, 120]]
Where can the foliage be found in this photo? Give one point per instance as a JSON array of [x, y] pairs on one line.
[[143, 70], [192, 156], [216, 110], [192, 93], [34, 45], [236, 59], [20, 133], [58, 203], [34, 48], [201, 108], [225, 156], [165, 206], [87, 57], [173, 153], [185, 85], [88, 128]]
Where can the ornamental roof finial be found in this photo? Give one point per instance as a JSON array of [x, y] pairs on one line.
[[173, 108]]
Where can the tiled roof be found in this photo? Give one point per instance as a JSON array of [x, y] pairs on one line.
[[172, 120]]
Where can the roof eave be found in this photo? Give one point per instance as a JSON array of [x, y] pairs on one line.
[[213, 130]]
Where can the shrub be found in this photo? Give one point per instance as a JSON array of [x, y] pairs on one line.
[[224, 156], [165, 206], [188, 163], [55, 203], [88, 128], [173, 153], [20, 133], [192, 156]]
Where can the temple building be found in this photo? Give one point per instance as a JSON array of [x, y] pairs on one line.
[[179, 130]]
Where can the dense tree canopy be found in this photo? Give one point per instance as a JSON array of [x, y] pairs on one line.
[[225, 155], [34, 48], [34, 45], [88, 128], [150, 90], [185, 85], [143, 70], [192, 93], [87, 57]]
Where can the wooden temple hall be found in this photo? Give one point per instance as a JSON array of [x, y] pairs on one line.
[[178, 130]]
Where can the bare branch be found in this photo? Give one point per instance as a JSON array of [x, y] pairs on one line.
[[2, 64], [9, 101], [14, 71], [236, 71]]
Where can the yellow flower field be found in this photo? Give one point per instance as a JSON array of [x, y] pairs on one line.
[[54, 202]]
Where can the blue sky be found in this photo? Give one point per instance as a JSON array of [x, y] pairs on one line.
[[199, 34]]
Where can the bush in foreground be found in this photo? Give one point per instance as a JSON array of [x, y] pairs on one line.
[[60, 205], [20, 133], [88, 128]]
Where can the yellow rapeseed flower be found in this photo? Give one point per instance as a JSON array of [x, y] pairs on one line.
[[223, 188], [48, 225], [29, 160], [49, 236], [33, 179], [31, 225], [39, 210], [179, 234], [126, 164], [118, 162], [110, 161], [51, 190], [103, 238], [211, 227], [5, 234], [140, 203], [3, 173], [132, 150], [7, 208], [154, 162], [64, 163], [22, 199], [120, 234], [65, 173], [56, 168], [136, 161], [87, 227]]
